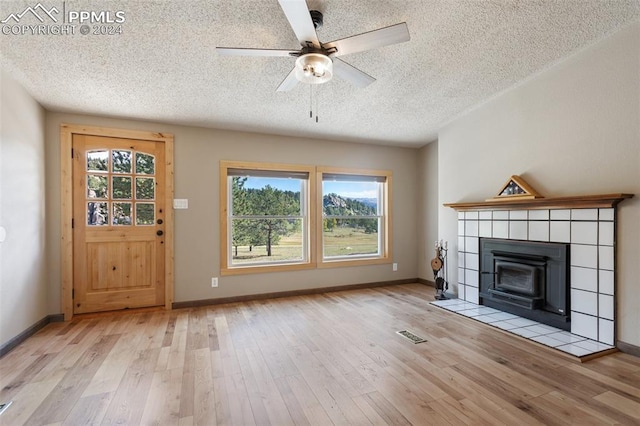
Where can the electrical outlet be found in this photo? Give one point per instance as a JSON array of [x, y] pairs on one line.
[[395, 267], [214, 282]]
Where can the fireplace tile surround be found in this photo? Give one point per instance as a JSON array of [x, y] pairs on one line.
[[591, 235]]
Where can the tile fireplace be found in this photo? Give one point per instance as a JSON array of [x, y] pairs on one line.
[[588, 234], [547, 260], [551, 260]]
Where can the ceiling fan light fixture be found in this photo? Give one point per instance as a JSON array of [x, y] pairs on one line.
[[314, 68]]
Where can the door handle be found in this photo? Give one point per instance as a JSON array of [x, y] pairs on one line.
[[159, 232]]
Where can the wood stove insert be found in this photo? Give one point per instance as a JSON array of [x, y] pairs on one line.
[[529, 279]]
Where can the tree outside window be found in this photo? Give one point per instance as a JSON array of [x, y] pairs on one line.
[[267, 216]]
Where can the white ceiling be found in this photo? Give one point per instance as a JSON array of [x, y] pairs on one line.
[[164, 67]]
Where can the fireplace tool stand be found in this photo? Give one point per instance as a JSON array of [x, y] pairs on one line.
[[438, 265]]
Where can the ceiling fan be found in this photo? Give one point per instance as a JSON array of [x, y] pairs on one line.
[[317, 62]]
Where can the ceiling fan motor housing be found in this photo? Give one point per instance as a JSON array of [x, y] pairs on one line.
[[316, 18]]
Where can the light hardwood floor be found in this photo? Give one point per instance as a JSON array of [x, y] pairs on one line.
[[333, 358]]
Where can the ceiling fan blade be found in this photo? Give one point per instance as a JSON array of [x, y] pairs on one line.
[[299, 18], [397, 33], [351, 73], [241, 51], [289, 82]]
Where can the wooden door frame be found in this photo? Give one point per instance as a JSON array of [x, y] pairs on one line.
[[66, 215]]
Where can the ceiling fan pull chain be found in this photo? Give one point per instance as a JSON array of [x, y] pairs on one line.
[[311, 102]]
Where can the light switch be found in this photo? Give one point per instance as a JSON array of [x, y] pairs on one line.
[[180, 203]]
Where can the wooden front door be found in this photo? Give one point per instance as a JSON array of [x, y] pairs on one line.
[[118, 223]]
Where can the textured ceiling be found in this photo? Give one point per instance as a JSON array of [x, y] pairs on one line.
[[164, 67]]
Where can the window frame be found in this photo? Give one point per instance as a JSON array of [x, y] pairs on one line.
[[308, 207], [384, 240], [313, 215]]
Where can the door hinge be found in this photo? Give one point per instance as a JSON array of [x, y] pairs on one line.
[[73, 293], [72, 223], [71, 152]]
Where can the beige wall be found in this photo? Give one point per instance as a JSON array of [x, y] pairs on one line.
[[428, 208], [23, 284], [198, 152], [571, 130]]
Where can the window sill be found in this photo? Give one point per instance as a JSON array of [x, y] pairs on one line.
[[339, 263]]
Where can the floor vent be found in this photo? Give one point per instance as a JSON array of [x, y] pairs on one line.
[[4, 406], [409, 335]]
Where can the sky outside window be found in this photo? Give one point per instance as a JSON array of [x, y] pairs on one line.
[[351, 189], [283, 184], [345, 189]]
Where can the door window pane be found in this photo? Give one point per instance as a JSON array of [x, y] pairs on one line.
[[122, 213], [121, 161], [122, 187], [97, 186], [145, 164], [97, 214], [145, 188], [98, 161], [145, 214]]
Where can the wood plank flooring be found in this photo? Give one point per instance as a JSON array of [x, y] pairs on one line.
[[325, 359]]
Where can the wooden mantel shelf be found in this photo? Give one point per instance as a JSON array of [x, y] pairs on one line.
[[579, 202]]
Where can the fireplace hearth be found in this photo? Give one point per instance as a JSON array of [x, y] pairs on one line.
[[525, 278]]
